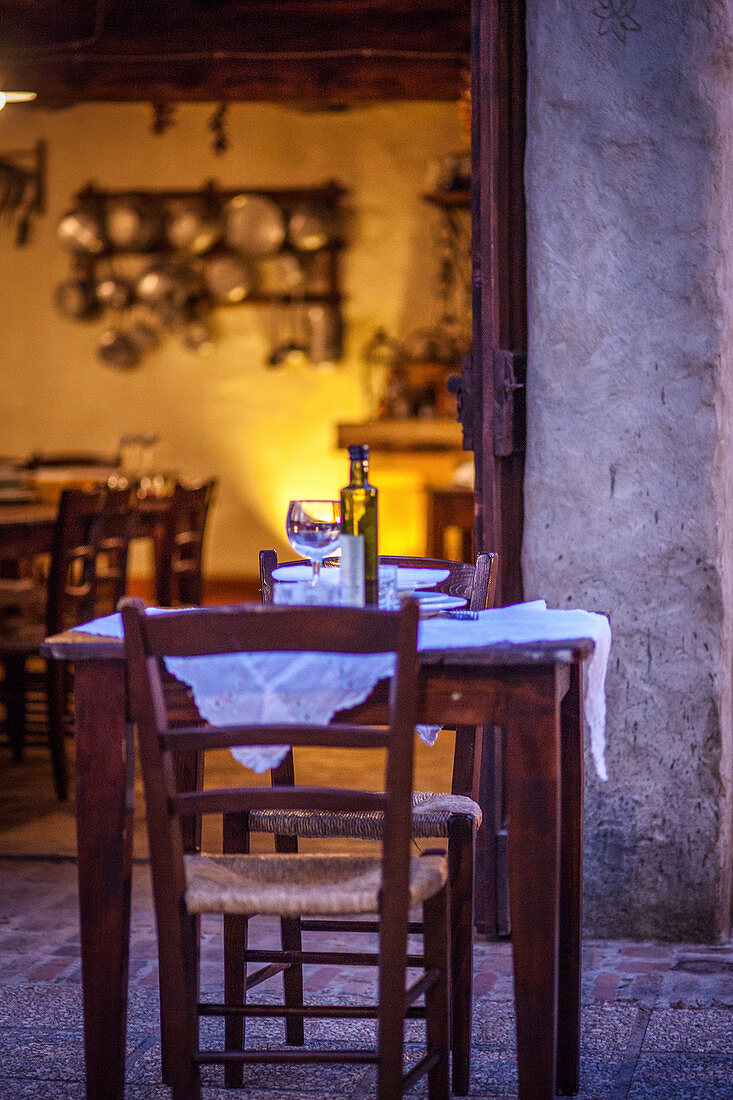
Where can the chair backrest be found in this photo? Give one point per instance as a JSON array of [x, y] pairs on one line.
[[149, 639], [476, 583], [118, 517], [179, 551], [72, 570]]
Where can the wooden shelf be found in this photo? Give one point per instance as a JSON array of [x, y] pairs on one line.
[[413, 434], [460, 200], [329, 192]]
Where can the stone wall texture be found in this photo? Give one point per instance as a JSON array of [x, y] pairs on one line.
[[630, 459]]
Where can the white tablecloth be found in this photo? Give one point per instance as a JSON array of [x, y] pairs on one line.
[[302, 687]]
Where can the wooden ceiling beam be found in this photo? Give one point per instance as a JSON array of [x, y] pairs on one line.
[[320, 83], [329, 52]]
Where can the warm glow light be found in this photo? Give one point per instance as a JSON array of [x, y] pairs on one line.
[[15, 97]]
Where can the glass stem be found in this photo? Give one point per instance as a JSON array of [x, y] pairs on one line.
[[316, 570]]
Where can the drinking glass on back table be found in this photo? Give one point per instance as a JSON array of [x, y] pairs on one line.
[[313, 528]]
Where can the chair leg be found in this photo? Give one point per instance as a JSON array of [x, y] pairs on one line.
[[461, 844], [181, 1003], [291, 939], [56, 701], [391, 1025], [437, 1007], [15, 703], [235, 840], [235, 993], [186, 1084]]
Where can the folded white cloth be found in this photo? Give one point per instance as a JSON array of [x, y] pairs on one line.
[[534, 622], [262, 688]]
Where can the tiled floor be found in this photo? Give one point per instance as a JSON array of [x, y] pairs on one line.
[[657, 1019]]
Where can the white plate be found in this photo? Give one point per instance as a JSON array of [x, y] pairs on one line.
[[411, 577], [408, 578], [304, 572], [438, 601]]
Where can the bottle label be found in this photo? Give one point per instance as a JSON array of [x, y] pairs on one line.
[[351, 572]]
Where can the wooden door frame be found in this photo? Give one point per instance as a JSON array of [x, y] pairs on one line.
[[495, 404]]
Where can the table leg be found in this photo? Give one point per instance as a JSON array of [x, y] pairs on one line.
[[104, 801], [533, 811], [474, 777], [571, 886]]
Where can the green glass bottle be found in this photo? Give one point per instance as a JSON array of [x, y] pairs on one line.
[[359, 517]]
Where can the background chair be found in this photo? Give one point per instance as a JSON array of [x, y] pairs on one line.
[[240, 885], [118, 519], [85, 576], [179, 546], [476, 582], [454, 817]]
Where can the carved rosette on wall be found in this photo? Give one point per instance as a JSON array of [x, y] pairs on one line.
[[615, 16]]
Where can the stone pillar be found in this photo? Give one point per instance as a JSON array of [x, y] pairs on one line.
[[630, 455]]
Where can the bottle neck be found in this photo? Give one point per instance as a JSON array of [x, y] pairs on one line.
[[359, 471]]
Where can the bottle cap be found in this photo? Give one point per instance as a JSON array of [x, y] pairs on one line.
[[359, 452]]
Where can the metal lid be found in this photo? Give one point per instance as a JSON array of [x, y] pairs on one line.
[[359, 452]]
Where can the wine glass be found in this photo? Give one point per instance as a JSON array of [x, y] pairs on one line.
[[313, 528]]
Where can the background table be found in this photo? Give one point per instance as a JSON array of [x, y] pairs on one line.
[[533, 691], [25, 530]]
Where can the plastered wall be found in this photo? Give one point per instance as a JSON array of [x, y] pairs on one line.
[[629, 426]]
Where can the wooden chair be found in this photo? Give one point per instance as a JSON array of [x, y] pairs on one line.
[[179, 546], [450, 519], [118, 518], [476, 582], [239, 885], [453, 816], [70, 594]]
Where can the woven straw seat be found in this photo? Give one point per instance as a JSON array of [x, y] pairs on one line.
[[298, 885], [431, 814]]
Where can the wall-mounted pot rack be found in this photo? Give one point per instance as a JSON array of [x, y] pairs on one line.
[[173, 256]]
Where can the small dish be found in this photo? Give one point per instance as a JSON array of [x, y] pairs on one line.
[[410, 578], [431, 603], [304, 572]]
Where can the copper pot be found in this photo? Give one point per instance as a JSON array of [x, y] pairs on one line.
[[116, 348], [194, 225], [132, 223], [82, 231], [77, 299]]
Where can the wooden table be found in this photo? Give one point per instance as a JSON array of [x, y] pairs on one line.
[[25, 529], [533, 691]]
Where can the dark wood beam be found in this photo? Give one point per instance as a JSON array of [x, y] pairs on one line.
[[322, 51]]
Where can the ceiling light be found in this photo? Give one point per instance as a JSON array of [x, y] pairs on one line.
[[15, 97]]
